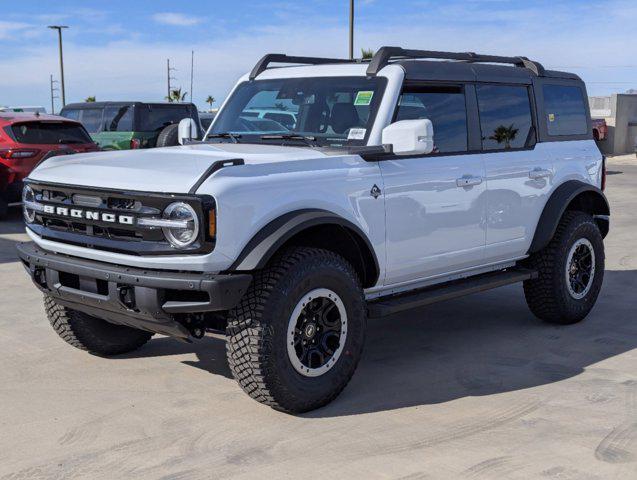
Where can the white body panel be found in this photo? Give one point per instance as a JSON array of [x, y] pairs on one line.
[[433, 225], [424, 226]]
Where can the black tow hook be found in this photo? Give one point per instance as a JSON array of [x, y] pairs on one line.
[[127, 297]]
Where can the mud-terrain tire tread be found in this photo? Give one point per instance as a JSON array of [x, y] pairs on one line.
[[89, 333], [249, 345], [544, 295]]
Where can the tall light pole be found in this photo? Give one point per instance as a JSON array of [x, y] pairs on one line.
[[53, 95], [59, 29], [351, 29]]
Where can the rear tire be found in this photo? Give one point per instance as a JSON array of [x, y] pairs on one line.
[[169, 136], [571, 271], [92, 334], [306, 295]]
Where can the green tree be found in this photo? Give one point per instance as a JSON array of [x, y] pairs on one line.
[[176, 95], [505, 135], [367, 53], [90, 99], [210, 100]]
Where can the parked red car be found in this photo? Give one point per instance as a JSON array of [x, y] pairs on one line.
[[28, 138], [600, 129]]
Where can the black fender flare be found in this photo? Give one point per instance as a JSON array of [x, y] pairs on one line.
[[267, 241], [557, 204]]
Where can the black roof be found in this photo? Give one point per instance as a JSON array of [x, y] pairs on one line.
[[472, 72], [121, 104]]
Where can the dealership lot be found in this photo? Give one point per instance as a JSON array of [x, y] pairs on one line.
[[473, 388]]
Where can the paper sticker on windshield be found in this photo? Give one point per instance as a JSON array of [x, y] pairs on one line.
[[356, 134], [363, 97], [551, 117]]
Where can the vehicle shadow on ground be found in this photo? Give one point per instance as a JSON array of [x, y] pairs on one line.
[[484, 344], [210, 352]]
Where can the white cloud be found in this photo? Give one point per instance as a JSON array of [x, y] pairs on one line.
[[176, 19], [9, 30]]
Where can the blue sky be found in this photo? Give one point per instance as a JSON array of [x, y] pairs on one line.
[[117, 49]]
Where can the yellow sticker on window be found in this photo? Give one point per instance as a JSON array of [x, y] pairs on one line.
[[363, 98], [551, 117]]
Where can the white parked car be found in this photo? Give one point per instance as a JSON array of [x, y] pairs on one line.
[[401, 182]]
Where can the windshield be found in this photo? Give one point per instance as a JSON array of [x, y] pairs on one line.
[[333, 111]]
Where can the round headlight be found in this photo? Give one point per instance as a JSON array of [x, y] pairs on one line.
[[186, 227], [28, 197]]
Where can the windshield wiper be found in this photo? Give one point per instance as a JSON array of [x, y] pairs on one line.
[[70, 140], [309, 140], [231, 136]]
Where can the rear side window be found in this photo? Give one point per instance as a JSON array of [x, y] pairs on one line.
[[49, 133], [505, 116], [565, 110], [155, 117], [118, 119], [445, 107], [91, 118]]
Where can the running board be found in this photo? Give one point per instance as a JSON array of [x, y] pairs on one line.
[[397, 303]]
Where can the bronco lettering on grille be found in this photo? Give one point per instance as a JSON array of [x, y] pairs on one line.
[[89, 215]]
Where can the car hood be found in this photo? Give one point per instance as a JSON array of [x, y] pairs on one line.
[[172, 169]]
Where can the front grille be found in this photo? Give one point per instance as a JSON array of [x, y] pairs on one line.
[[107, 219]]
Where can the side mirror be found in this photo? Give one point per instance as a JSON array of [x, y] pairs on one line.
[[410, 137], [187, 130]]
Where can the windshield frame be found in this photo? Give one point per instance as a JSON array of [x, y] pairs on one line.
[[320, 140]]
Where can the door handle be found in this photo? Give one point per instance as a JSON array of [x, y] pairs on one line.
[[468, 181], [538, 173]]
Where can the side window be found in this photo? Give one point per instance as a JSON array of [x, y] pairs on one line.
[[445, 107], [565, 110], [91, 118], [505, 116], [118, 119]]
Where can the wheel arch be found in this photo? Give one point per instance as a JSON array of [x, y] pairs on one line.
[[571, 195], [315, 228]]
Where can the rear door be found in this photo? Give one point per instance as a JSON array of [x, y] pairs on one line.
[[518, 176], [435, 204]]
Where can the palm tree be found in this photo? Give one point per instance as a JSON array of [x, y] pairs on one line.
[[210, 100], [367, 53], [90, 99], [505, 135], [176, 95]]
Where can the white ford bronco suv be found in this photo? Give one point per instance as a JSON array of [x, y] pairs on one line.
[[415, 177]]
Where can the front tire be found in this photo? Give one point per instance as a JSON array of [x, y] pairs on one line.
[[570, 271], [92, 334], [297, 335]]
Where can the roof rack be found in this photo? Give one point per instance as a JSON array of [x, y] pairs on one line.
[[263, 64], [386, 54]]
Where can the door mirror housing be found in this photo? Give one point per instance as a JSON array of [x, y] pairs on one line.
[[187, 130], [410, 137]]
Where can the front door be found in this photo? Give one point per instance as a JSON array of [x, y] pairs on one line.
[[435, 204]]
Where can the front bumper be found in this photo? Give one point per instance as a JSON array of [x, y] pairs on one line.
[[152, 300]]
